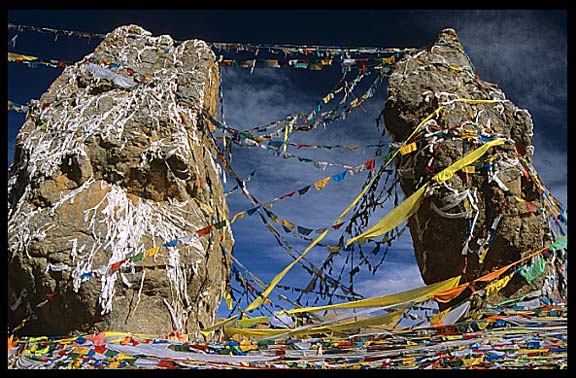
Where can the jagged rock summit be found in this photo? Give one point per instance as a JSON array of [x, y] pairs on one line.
[[110, 164], [492, 214]]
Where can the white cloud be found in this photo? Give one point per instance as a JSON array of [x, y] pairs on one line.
[[395, 278]]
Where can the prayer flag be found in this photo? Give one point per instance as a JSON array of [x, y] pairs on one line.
[[339, 177], [303, 190], [289, 225], [239, 215], [319, 185], [152, 251], [408, 148], [369, 164], [252, 210], [117, 265], [204, 231], [221, 224], [171, 243], [334, 248], [287, 195], [138, 257]]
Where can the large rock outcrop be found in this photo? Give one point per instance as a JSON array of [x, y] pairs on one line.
[[110, 163], [455, 223]]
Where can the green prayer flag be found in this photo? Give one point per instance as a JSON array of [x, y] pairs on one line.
[[559, 244], [220, 224], [303, 190], [138, 257], [537, 267]]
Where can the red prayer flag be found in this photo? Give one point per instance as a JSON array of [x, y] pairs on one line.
[[287, 195], [167, 364], [369, 164], [204, 231], [337, 226], [118, 264]]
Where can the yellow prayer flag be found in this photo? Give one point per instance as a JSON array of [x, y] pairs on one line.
[[482, 255], [14, 56], [469, 169], [467, 205], [328, 97], [251, 321], [496, 286], [388, 60], [468, 134], [408, 148], [447, 173], [410, 205], [274, 218], [239, 215], [288, 224], [333, 248], [245, 346], [80, 350], [400, 213], [472, 361], [386, 320], [319, 185], [37, 350], [152, 251], [228, 299]]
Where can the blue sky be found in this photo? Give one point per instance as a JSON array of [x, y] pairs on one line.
[[524, 52]]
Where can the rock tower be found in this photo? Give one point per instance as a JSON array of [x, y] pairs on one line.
[[483, 218], [113, 174]]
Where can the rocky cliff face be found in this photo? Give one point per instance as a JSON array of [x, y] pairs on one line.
[[494, 210], [111, 163]]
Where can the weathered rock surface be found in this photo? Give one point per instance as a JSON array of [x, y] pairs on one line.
[[110, 163], [500, 193]]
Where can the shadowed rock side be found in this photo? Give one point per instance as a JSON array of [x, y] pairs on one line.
[[453, 224], [109, 164]]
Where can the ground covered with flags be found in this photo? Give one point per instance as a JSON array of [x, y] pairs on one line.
[[526, 334]]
